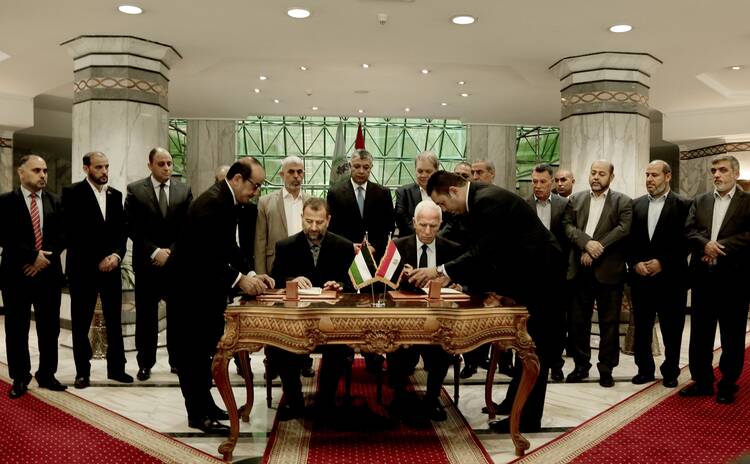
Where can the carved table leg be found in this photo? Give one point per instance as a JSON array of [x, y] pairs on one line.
[[494, 358], [527, 355], [247, 373], [220, 371]]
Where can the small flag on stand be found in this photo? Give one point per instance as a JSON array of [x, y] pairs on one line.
[[362, 269], [390, 267]]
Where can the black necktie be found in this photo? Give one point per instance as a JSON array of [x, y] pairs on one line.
[[423, 256], [163, 200]]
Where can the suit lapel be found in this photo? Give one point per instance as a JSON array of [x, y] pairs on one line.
[[605, 211], [730, 211], [665, 211], [282, 212], [26, 217], [150, 194], [583, 217]]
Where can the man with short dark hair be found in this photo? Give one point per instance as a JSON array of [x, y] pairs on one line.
[[155, 208], [30, 274], [96, 237], [408, 196], [564, 181], [463, 169], [718, 228]]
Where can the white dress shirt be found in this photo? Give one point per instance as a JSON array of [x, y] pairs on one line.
[[596, 206], [655, 206], [356, 186], [423, 194], [101, 197], [544, 210], [721, 205], [431, 253], [38, 200], [157, 188], [292, 212]]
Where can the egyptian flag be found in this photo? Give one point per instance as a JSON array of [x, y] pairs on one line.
[[359, 142], [362, 269], [391, 265]]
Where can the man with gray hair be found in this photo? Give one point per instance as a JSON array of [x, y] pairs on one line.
[[408, 196], [483, 171]]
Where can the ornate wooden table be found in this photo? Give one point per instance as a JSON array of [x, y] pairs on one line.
[[301, 326]]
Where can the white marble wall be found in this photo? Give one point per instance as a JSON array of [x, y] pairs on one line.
[[622, 139], [6, 164], [124, 131], [210, 143], [498, 144]]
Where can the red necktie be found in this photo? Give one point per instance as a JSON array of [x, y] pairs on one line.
[[36, 222]]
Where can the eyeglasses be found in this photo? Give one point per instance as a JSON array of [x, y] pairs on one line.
[[255, 185]]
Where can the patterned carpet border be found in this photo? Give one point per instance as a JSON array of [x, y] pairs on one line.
[[590, 433], [160, 446]]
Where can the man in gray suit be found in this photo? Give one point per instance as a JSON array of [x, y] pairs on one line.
[[597, 222], [550, 209], [155, 208]]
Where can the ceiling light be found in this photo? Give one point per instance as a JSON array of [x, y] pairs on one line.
[[360, 111], [425, 71], [464, 94], [736, 68], [298, 13], [256, 90], [621, 28], [315, 108], [443, 104], [461, 82], [463, 20], [129, 9], [407, 109], [275, 100], [365, 65], [263, 78], [303, 68]]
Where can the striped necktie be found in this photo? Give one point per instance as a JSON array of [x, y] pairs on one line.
[[36, 222]]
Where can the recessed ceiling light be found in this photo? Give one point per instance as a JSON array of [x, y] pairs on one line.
[[621, 28], [263, 78], [464, 94], [256, 90], [275, 100], [461, 82], [360, 111], [298, 13], [407, 109], [315, 108], [303, 68], [736, 68], [425, 71], [365, 65], [443, 104], [463, 20], [129, 9]]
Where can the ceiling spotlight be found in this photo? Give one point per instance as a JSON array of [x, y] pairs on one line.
[[464, 94], [256, 90], [425, 71], [263, 78], [463, 20], [443, 104], [360, 111], [275, 100], [735, 68], [621, 28], [315, 108], [407, 109], [365, 65], [298, 13], [461, 82], [129, 9], [303, 68]]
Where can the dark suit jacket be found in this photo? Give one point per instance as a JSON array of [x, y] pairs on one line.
[[17, 237], [147, 227], [669, 243], [90, 237], [508, 241], [378, 214], [734, 235], [246, 221], [558, 211], [611, 231], [445, 251], [294, 259], [407, 198]]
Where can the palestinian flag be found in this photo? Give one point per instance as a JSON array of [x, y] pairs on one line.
[[363, 267], [389, 270]]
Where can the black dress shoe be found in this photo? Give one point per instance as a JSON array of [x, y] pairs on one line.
[[50, 383], [17, 390], [121, 377], [606, 380], [208, 425], [503, 426], [468, 371], [144, 373], [503, 408], [218, 414], [556, 374], [81, 382], [696, 389], [669, 383], [640, 379], [308, 372], [725, 396], [288, 412], [434, 411], [577, 376]]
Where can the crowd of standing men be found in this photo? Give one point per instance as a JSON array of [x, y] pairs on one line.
[[559, 254]]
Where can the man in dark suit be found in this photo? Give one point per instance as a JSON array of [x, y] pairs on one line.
[[408, 196], [359, 206], [155, 208], [718, 228], [658, 283], [31, 239], [206, 266], [509, 244], [421, 250], [549, 209], [314, 257], [597, 223], [96, 235]]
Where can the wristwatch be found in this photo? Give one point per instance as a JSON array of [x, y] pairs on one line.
[[440, 270]]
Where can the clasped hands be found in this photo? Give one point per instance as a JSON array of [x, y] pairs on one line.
[[255, 285], [712, 250], [161, 257], [304, 282], [109, 263], [41, 262], [593, 250], [648, 268]]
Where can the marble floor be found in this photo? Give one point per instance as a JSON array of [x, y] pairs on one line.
[[157, 403]]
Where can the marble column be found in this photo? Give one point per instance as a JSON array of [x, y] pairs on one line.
[[120, 102], [210, 143], [496, 144], [6, 161], [605, 115], [695, 164]]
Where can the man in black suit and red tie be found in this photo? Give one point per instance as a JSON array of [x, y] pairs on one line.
[[421, 250], [408, 196], [718, 228], [96, 236], [155, 209], [31, 239], [657, 257]]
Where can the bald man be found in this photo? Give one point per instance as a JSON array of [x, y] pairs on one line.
[[564, 181]]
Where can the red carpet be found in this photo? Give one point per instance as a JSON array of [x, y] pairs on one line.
[[36, 429], [671, 430], [367, 438]]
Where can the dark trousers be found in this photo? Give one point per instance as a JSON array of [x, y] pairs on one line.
[[83, 292], [44, 294], [436, 363], [652, 297], [289, 366], [477, 355], [717, 298], [563, 305], [608, 298], [150, 289]]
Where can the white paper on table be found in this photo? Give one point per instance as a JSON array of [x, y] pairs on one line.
[[443, 291], [310, 291]]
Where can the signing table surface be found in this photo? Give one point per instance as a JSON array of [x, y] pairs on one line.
[[349, 319]]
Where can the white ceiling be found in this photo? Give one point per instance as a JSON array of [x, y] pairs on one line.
[[504, 57]]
